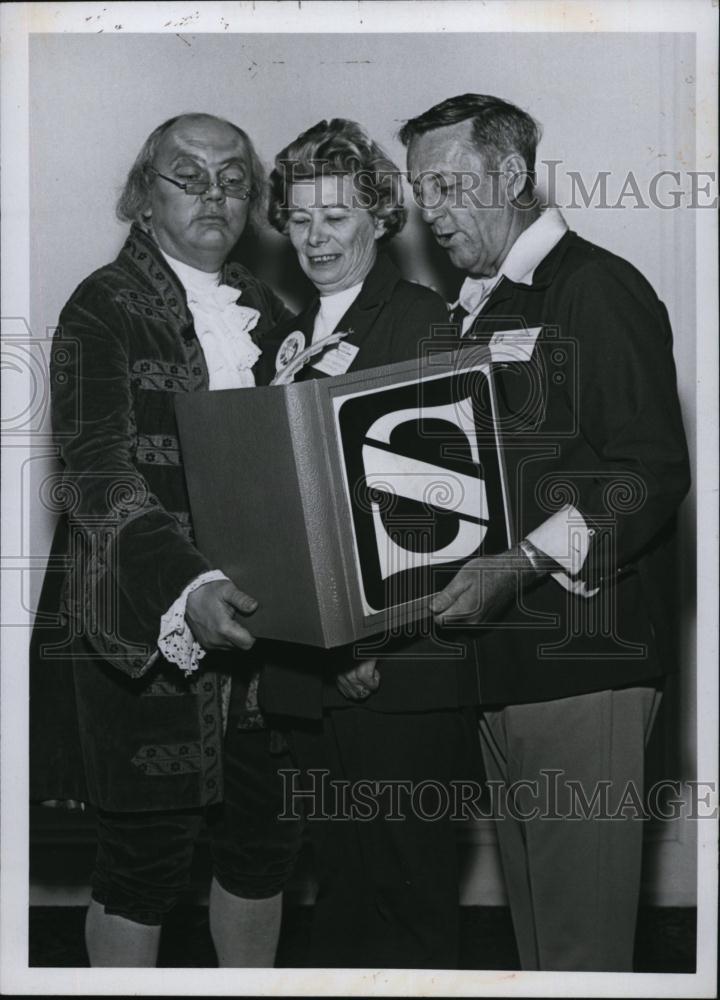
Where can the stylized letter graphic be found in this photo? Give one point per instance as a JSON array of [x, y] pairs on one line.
[[426, 483]]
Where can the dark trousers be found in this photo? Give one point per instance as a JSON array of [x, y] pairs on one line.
[[388, 879]]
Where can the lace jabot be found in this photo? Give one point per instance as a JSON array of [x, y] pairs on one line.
[[222, 325]]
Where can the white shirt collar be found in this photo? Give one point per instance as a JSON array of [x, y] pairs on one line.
[[533, 245], [192, 278], [529, 250], [332, 308]]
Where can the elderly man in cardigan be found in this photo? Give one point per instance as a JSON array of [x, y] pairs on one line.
[[128, 712], [576, 619]]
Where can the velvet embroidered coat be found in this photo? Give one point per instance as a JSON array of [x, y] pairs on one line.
[[111, 722]]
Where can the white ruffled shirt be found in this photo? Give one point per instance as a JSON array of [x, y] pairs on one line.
[[223, 329], [222, 326]]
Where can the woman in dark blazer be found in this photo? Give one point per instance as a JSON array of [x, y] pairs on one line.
[[388, 888]]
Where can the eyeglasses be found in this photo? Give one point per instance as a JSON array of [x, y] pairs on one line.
[[230, 186]]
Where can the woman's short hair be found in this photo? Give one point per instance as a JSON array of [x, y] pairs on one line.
[[337, 147], [135, 194]]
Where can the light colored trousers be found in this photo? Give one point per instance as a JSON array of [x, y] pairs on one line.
[[573, 883]]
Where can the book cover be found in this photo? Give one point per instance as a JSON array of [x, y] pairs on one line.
[[343, 504]]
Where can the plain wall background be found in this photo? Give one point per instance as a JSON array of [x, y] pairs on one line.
[[607, 102]]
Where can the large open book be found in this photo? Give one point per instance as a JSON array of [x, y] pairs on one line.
[[342, 504]]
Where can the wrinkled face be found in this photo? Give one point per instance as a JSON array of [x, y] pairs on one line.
[[465, 205], [199, 230], [333, 238]]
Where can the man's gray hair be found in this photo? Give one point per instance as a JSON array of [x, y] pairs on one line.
[[135, 194], [498, 128]]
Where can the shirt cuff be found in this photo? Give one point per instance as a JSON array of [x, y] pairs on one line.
[[565, 538], [176, 641]]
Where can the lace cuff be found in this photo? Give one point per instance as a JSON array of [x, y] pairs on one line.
[[176, 641]]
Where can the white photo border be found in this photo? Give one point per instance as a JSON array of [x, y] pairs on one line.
[[19, 21]]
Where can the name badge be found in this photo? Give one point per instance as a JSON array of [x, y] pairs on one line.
[[337, 360], [513, 345]]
